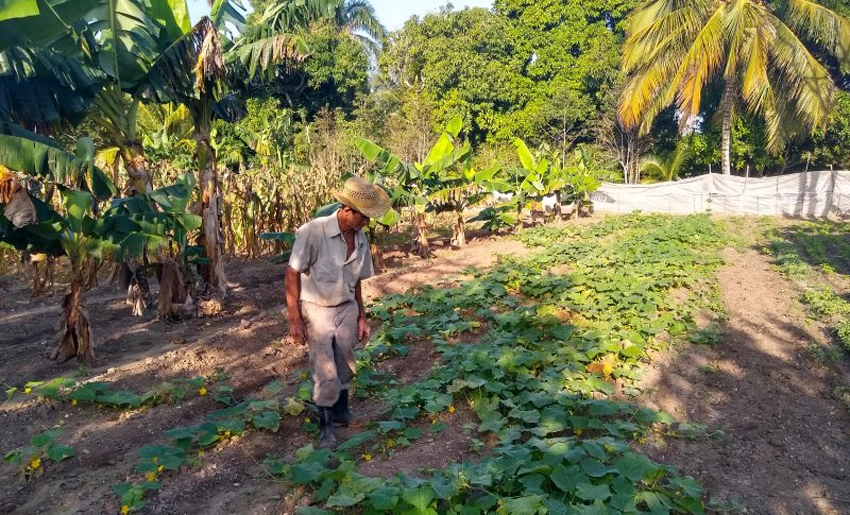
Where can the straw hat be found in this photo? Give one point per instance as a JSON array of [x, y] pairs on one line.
[[362, 195]]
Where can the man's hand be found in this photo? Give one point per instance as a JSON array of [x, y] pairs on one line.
[[363, 330], [298, 331]]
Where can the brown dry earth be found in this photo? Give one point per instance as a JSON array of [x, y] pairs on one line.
[[785, 449], [136, 354], [776, 441]]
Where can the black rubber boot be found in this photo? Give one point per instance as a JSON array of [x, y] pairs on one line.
[[341, 414], [327, 438]]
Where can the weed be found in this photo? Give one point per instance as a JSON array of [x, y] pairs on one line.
[[842, 394], [822, 302], [710, 335], [842, 331], [708, 369]]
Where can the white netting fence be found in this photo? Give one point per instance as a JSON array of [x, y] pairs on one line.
[[806, 195]]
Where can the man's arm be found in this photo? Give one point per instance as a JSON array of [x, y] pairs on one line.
[[297, 327], [363, 329]]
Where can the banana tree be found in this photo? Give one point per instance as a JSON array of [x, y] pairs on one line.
[[157, 223], [443, 181], [29, 223], [540, 174], [582, 179], [79, 230]]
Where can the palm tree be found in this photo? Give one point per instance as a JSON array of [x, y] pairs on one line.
[[757, 50], [357, 19], [665, 168]]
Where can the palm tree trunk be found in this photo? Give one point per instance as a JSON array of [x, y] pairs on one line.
[[210, 209], [727, 106]]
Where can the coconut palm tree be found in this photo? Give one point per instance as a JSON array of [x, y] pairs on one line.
[[357, 19], [758, 51]]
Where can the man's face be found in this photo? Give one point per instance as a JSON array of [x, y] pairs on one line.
[[357, 220]]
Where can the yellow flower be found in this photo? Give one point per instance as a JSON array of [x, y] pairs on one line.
[[201, 453], [578, 432], [367, 457], [155, 459], [73, 402], [227, 434], [390, 443], [35, 463], [202, 391], [303, 376], [150, 477], [125, 509], [160, 468], [452, 408], [27, 389]]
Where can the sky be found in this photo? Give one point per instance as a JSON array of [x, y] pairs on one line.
[[392, 13]]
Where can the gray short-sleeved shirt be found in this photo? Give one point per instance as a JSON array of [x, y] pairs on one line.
[[327, 277]]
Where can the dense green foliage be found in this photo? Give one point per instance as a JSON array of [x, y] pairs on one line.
[[547, 349]]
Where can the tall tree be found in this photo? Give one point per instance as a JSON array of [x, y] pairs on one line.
[[758, 52]]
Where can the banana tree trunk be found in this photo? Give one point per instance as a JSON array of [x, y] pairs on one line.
[[210, 208], [138, 168], [727, 105], [75, 333], [421, 247], [459, 236]]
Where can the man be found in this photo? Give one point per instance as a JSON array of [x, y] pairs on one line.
[[329, 260]]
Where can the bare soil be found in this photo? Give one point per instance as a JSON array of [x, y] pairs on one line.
[[773, 440], [136, 354]]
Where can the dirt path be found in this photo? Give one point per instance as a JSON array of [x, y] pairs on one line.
[[776, 442]]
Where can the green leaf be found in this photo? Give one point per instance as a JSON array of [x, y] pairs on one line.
[[454, 126], [566, 478], [267, 420], [421, 497], [527, 505], [173, 15], [344, 499], [59, 452], [18, 9], [589, 492], [309, 510], [385, 498], [77, 204], [594, 468], [634, 467], [369, 149], [525, 156], [306, 473]]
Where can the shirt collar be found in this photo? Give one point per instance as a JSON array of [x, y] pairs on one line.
[[333, 225]]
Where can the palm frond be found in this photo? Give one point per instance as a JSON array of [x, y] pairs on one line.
[[821, 25], [358, 16], [701, 63], [802, 77]]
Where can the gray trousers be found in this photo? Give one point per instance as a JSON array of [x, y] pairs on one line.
[[331, 338]]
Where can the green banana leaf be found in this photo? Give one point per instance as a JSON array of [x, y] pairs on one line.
[[52, 164]]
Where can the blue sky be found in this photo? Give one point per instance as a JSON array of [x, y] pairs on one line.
[[392, 13]]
